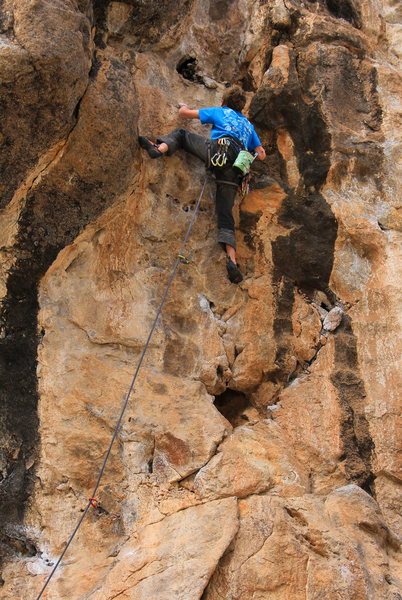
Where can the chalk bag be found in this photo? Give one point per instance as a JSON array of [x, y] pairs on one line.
[[243, 161]]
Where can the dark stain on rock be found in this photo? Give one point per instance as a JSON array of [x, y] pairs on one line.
[[183, 324], [100, 11], [50, 219], [218, 9], [42, 95], [148, 23], [247, 224], [283, 329], [176, 450], [305, 255], [44, 229], [179, 356], [159, 388], [358, 445]]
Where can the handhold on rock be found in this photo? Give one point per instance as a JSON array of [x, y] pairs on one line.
[[333, 319]]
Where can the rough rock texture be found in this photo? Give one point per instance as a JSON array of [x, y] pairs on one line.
[[259, 457]]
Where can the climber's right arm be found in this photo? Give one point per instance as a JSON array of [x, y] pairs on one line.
[[188, 113]]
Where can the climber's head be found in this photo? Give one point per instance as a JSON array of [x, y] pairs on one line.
[[234, 98]]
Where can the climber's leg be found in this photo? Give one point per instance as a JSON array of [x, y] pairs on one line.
[[225, 197], [231, 252], [234, 273], [179, 139], [153, 150]]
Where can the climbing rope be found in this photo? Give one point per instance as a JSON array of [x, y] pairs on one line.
[[92, 502]]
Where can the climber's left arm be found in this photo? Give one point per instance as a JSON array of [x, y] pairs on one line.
[[188, 113]]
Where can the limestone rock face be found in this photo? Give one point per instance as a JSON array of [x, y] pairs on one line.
[[187, 542], [259, 454], [293, 548]]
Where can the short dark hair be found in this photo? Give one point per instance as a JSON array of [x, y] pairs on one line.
[[234, 98]]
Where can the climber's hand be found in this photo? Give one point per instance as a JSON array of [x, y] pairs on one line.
[[260, 152]]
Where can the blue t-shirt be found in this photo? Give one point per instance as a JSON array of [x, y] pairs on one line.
[[226, 121]]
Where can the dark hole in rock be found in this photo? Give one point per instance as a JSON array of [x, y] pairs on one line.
[[187, 67], [22, 545], [368, 485], [232, 405], [248, 83], [150, 466], [344, 9]]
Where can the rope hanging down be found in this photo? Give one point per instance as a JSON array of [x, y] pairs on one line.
[[127, 398]]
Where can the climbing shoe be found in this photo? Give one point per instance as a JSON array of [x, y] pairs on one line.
[[233, 270], [149, 147]]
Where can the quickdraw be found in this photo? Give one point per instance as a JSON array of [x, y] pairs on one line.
[[219, 159]]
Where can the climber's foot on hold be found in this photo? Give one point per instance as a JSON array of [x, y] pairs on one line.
[[233, 270], [149, 147]]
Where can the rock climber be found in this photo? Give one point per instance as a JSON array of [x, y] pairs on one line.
[[231, 133]]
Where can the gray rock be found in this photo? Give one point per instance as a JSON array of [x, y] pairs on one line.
[[333, 319]]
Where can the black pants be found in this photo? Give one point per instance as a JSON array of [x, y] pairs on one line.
[[181, 139]]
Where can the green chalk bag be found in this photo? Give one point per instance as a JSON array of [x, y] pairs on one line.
[[243, 161]]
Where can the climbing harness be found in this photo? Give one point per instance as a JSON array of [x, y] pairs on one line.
[[242, 161], [244, 184], [227, 182], [92, 501]]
